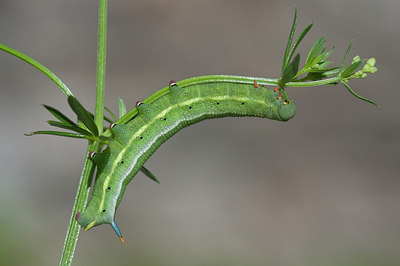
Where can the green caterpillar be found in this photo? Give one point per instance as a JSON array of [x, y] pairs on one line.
[[134, 142]]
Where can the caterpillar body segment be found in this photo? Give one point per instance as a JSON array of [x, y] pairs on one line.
[[133, 143]]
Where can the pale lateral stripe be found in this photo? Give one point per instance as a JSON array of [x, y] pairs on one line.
[[142, 129]]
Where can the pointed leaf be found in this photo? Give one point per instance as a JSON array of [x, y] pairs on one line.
[[121, 107], [325, 64], [299, 39], [57, 133], [317, 47], [351, 69], [60, 116], [358, 96], [83, 115], [109, 120], [38, 66], [73, 128], [334, 71], [291, 71], [322, 70], [321, 74], [345, 56], [289, 42], [321, 58], [149, 174]]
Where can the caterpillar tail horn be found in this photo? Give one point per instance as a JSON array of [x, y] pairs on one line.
[[116, 229], [87, 222]]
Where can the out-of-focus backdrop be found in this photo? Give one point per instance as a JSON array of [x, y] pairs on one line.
[[321, 189]]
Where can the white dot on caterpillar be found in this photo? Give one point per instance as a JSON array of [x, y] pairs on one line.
[[172, 83], [92, 154]]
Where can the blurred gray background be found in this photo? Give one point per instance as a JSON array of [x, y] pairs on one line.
[[321, 189]]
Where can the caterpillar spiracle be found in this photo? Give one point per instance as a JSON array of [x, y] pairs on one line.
[[134, 142]]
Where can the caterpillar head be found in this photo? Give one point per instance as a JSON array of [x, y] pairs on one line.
[[286, 110], [91, 218]]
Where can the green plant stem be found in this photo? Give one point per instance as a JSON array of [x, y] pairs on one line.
[[101, 65], [39, 66], [322, 82], [82, 194]]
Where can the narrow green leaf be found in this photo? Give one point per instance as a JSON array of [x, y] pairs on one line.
[[149, 174], [299, 39], [358, 96], [60, 116], [324, 64], [314, 51], [121, 107], [112, 115], [345, 56], [69, 127], [108, 119], [291, 71], [321, 58], [38, 66], [57, 133], [319, 74], [322, 70], [289, 42], [334, 71], [351, 69], [83, 115]]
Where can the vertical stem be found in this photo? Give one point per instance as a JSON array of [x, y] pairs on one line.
[[83, 191], [82, 195], [101, 64]]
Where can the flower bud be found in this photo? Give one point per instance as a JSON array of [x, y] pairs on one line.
[[356, 59]]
